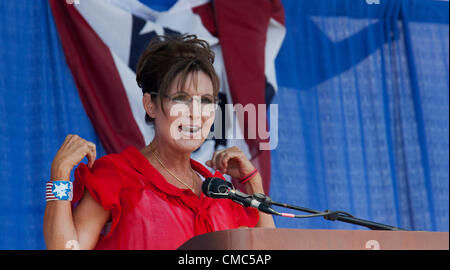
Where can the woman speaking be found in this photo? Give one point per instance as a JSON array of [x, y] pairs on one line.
[[151, 198]]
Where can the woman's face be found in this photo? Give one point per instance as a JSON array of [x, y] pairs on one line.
[[187, 117]]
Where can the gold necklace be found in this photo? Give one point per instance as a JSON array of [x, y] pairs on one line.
[[178, 179]]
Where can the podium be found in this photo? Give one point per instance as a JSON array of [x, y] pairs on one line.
[[298, 239]]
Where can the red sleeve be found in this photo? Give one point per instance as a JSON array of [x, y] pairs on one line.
[[103, 182]]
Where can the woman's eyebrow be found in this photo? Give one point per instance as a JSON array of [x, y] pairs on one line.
[[181, 92], [184, 92]]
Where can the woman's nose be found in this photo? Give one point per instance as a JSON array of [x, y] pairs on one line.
[[195, 108]]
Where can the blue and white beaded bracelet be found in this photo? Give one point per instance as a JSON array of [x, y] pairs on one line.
[[59, 191]]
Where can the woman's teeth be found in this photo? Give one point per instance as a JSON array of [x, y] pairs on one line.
[[189, 129]]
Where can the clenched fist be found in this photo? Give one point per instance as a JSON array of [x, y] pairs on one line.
[[71, 152], [231, 161]]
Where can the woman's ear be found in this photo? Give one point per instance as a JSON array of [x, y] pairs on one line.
[[149, 105]]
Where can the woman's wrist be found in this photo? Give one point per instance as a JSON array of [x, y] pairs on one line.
[[246, 168], [248, 176], [254, 185], [59, 172]]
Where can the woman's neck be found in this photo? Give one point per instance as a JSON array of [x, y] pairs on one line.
[[173, 160]]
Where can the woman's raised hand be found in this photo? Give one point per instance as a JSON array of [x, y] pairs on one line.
[[231, 161], [71, 152]]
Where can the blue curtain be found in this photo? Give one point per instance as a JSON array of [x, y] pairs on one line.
[[39, 107], [363, 113]]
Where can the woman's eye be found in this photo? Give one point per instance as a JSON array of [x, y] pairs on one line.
[[181, 98], [207, 100]]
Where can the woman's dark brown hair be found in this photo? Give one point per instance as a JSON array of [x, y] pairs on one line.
[[166, 57]]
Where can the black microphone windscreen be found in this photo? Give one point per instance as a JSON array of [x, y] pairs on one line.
[[215, 185]]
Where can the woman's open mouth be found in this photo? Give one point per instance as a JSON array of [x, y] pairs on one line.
[[190, 131]]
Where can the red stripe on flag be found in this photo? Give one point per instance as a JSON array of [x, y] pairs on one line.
[[242, 29], [98, 81], [206, 13], [278, 12]]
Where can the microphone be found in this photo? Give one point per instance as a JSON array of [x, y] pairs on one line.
[[220, 189], [216, 188]]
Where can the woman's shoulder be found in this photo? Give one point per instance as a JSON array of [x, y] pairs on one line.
[[114, 164], [109, 161], [117, 160]]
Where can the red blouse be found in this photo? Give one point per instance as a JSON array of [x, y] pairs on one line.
[[147, 212]]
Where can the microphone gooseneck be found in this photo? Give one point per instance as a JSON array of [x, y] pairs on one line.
[[221, 189]]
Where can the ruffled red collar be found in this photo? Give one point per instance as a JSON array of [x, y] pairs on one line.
[[141, 164]]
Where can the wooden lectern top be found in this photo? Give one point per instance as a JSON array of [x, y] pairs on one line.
[[297, 239]]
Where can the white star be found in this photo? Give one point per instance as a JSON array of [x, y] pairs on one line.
[[150, 27], [60, 190]]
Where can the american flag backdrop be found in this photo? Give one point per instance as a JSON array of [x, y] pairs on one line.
[[103, 39]]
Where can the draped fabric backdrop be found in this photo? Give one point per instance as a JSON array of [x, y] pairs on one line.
[[364, 92], [363, 113]]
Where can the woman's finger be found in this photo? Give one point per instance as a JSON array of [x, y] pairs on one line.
[[91, 145], [222, 161], [219, 158], [91, 154], [213, 159], [216, 160], [209, 163], [66, 140]]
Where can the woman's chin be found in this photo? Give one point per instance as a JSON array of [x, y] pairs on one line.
[[189, 145]]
